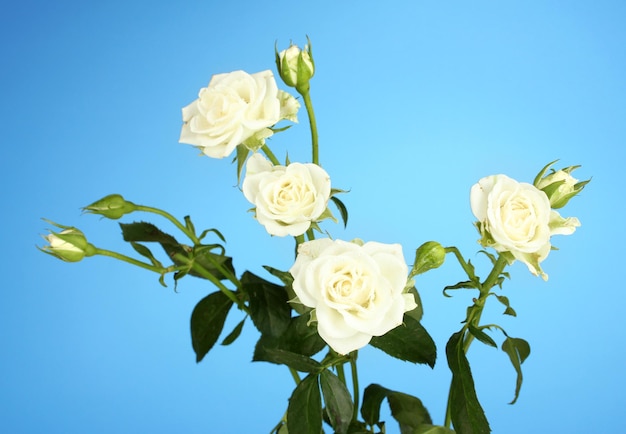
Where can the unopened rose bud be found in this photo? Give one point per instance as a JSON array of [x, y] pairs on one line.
[[560, 186], [68, 245], [296, 66], [112, 206], [429, 255]]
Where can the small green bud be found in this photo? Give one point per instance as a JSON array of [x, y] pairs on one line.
[[429, 255], [296, 66], [68, 245], [559, 185], [112, 206]]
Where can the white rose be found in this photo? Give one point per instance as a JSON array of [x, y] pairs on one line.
[[235, 107], [513, 217], [287, 198], [357, 291]]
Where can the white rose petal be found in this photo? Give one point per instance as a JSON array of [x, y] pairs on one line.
[[287, 198], [233, 108], [357, 291]]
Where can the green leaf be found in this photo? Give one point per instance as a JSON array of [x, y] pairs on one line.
[[269, 309], [232, 336], [304, 413], [343, 211], [467, 414], [301, 338], [283, 276], [408, 411], [338, 401], [207, 322], [518, 350], [373, 397], [505, 301], [468, 284], [212, 262], [409, 342], [144, 251], [432, 429], [267, 350], [418, 312], [479, 334], [147, 232]]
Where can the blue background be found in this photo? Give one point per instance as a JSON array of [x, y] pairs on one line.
[[416, 101]]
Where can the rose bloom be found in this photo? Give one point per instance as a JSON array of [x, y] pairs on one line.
[[516, 217], [235, 107], [287, 198], [357, 290]]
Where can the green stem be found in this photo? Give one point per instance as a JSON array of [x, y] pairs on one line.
[[270, 155], [171, 218], [295, 375], [355, 384], [340, 372], [466, 267], [230, 276], [182, 259], [313, 124], [132, 261], [475, 312]]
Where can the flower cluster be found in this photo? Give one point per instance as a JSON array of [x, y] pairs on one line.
[[345, 294]]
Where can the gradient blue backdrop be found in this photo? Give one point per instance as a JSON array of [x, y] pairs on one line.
[[416, 101]]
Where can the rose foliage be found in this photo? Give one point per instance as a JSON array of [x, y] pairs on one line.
[[339, 295]]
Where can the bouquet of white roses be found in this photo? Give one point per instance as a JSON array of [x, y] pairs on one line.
[[338, 296]]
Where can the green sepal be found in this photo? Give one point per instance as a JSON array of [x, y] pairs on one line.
[[207, 322], [242, 154], [338, 402], [466, 412], [304, 413], [518, 350], [343, 211], [543, 172], [409, 342]]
